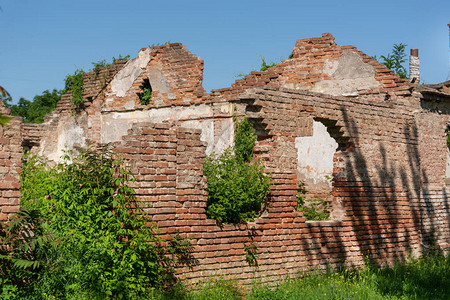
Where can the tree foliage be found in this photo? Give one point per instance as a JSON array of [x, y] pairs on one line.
[[396, 59], [82, 234], [237, 188], [34, 111]]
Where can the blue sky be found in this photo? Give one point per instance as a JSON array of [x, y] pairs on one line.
[[44, 40]]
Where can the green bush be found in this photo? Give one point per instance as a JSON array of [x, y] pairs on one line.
[[146, 96], [313, 209], [74, 83], [82, 234], [244, 140], [237, 189]]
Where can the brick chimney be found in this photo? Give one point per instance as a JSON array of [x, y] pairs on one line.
[[414, 64]]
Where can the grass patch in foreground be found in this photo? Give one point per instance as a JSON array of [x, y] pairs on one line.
[[424, 278]]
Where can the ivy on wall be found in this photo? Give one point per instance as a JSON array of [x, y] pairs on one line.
[[74, 84]]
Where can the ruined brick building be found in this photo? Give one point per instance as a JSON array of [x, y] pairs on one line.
[[329, 116]]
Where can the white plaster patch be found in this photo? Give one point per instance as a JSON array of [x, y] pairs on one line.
[[226, 108], [157, 79], [116, 124], [144, 58], [207, 127], [225, 137], [68, 137], [124, 79], [348, 75], [330, 66], [315, 154]]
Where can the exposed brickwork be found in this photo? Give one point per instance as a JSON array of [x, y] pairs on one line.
[[95, 81], [178, 80], [32, 134], [432, 126], [388, 170], [10, 164], [373, 179], [308, 65], [183, 72]]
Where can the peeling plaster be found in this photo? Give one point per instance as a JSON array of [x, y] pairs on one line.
[[124, 79], [315, 155], [348, 75]]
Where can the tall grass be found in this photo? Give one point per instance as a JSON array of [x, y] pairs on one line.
[[424, 278]]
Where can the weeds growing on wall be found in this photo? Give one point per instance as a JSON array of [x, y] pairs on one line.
[[251, 253], [395, 60], [4, 120], [74, 84], [146, 95], [313, 209], [264, 67], [81, 234], [237, 188], [159, 44], [103, 63]]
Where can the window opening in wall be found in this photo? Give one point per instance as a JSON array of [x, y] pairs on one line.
[[447, 168], [315, 163], [146, 95]]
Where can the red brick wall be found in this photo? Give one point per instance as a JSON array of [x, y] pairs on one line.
[[388, 173], [181, 71], [431, 128], [307, 67], [376, 179], [10, 163]]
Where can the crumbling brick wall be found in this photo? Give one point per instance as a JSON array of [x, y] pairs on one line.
[[10, 164], [432, 124], [373, 180], [388, 171], [320, 65]]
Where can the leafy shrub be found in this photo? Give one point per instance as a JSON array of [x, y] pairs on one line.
[[237, 189], [120, 57], [103, 63], [313, 209], [265, 66], [74, 83], [146, 96], [244, 140], [87, 236], [395, 60]]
